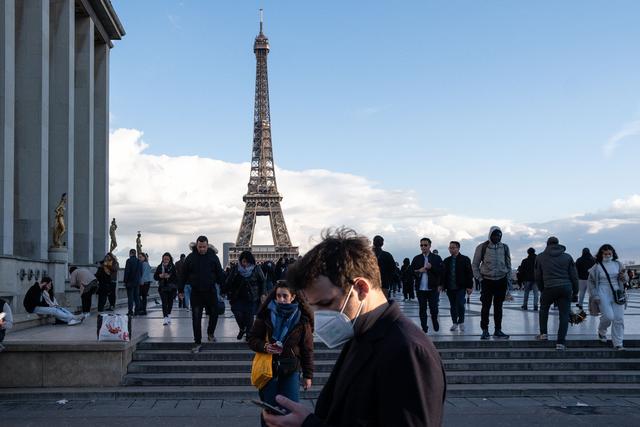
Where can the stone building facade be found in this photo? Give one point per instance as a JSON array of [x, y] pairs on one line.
[[54, 132]]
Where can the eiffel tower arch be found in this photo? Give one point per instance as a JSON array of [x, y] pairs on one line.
[[262, 198]]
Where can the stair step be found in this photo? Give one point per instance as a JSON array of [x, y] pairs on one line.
[[548, 377], [244, 366], [186, 355], [201, 379]]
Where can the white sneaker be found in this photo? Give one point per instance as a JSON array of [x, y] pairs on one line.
[[454, 327], [85, 315], [169, 319], [461, 327], [73, 322], [165, 321]]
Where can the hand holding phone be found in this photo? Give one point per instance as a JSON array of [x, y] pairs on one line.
[[269, 408]]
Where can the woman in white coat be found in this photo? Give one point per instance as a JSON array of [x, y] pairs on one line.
[[606, 277]]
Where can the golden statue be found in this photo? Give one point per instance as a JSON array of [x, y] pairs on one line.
[[59, 227], [112, 234], [138, 244]]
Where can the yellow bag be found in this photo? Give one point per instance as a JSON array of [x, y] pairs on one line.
[[261, 369]]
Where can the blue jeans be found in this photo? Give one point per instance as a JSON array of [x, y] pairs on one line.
[[187, 296], [528, 287], [58, 312], [133, 299], [456, 301], [288, 386]]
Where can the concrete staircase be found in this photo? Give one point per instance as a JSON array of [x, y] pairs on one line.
[[474, 368]]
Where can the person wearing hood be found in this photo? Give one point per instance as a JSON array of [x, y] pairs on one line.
[[526, 272], [245, 287], [557, 277], [606, 277], [284, 329], [202, 270], [492, 267], [583, 265]]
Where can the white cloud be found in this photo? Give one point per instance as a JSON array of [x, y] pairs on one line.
[[628, 130], [174, 199]]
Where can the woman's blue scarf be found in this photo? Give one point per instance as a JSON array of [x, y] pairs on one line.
[[284, 317], [246, 272]]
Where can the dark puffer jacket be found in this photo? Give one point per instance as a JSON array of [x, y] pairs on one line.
[[297, 353], [244, 289], [555, 267]]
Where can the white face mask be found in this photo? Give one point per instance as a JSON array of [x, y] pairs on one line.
[[334, 327], [607, 258]]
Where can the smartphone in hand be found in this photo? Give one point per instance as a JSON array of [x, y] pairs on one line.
[[269, 408]]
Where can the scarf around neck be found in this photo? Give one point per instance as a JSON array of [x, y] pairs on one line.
[[284, 317], [246, 272]]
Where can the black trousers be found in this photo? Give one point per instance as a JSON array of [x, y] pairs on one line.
[[560, 295], [457, 298], [203, 300], [86, 299], [144, 292], [167, 297], [105, 292], [2, 333], [407, 290], [427, 299], [244, 314], [493, 291]]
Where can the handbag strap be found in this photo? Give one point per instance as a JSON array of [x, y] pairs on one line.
[[608, 278]]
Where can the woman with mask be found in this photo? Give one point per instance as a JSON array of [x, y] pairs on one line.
[[284, 328], [245, 286], [167, 285], [606, 278]]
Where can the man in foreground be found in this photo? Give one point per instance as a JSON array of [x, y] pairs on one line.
[[388, 373]]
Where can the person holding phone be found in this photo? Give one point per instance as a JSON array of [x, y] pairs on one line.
[[284, 328], [388, 373]]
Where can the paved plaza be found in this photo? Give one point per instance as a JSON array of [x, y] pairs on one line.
[[592, 409]]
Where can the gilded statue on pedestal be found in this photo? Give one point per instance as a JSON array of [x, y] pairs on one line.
[[112, 234], [59, 227]]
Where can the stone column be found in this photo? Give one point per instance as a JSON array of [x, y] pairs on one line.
[[7, 100], [61, 112], [31, 129], [83, 156], [101, 152]]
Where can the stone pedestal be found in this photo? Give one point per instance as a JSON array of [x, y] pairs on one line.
[[59, 254]]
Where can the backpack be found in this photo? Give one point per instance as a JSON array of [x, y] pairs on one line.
[[484, 247]]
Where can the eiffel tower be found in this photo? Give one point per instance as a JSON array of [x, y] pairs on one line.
[[262, 198]]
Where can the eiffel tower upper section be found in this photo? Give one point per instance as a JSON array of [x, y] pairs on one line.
[[262, 198]]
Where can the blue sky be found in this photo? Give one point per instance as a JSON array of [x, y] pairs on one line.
[[489, 109]]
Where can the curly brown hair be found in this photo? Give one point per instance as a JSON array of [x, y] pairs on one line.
[[341, 256]]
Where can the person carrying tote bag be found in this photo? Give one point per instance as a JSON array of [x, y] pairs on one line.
[[606, 289], [283, 329]]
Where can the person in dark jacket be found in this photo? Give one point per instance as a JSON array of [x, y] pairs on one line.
[[167, 279], [526, 273], [388, 373], [104, 274], [557, 277], [457, 280], [132, 280], [583, 265], [245, 287], [408, 277], [386, 264], [36, 302], [202, 270], [284, 328], [427, 268], [183, 301]]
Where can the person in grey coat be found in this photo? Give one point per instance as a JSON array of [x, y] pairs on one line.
[[557, 278]]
